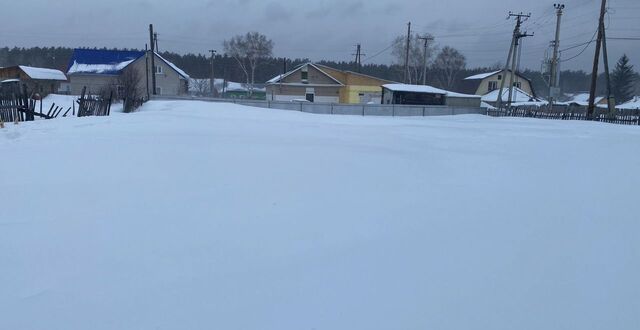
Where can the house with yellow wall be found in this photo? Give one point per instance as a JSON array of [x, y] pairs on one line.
[[322, 84]]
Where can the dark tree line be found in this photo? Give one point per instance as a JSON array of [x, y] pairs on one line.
[[199, 66]]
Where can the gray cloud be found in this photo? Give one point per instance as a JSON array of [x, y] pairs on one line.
[[322, 29]]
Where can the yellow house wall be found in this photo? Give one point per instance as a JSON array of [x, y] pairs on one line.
[[351, 94]]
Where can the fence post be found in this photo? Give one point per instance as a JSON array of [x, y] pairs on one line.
[[332, 108], [424, 111]]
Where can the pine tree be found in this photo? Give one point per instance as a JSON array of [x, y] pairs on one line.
[[623, 80]]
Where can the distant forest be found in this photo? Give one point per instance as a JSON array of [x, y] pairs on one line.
[[199, 66]]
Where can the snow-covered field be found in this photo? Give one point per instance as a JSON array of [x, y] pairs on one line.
[[192, 215]]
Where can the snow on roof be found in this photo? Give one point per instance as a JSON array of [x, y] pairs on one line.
[[519, 96], [482, 75], [43, 74], [94, 61], [9, 81], [114, 68], [275, 79], [583, 99], [631, 105], [424, 89], [174, 67]]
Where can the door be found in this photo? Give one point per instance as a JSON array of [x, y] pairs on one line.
[[310, 97]]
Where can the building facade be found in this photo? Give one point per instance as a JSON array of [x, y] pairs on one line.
[[404, 94], [485, 83], [98, 70], [38, 80], [322, 84]]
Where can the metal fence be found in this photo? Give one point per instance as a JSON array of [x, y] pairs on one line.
[[344, 109]]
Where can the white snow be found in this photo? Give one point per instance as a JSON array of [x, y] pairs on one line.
[[191, 215], [483, 75], [424, 89], [633, 104], [98, 68], [582, 99], [181, 72], [519, 96], [43, 74]]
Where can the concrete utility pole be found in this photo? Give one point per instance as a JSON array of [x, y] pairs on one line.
[[153, 59], [212, 81], [611, 102], [155, 38], [426, 57], [596, 58], [406, 59], [553, 81], [513, 56]]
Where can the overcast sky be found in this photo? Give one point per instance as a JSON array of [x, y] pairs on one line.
[[322, 29]]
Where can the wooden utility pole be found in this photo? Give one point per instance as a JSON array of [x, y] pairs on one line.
[[426, 39], [406, 59], [553, 81], [596, 59], [153, 59], [212, 81], [146, 63], [512, 57], [358, 56]]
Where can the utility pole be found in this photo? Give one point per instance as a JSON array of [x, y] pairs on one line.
[[611, 102], [358, 56], [212, 81], [513, 56], [146, 63], [406, 59], [155, 38], [426, 39], [553, 81], [153, 60], [596, 58]]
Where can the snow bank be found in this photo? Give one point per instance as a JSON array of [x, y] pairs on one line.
[[194, 215]]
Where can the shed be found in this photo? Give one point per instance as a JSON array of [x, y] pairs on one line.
[[426, 95]]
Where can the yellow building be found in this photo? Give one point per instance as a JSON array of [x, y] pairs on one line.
[[323, 84]]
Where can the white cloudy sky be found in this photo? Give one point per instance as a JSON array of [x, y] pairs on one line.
[[320, 29]]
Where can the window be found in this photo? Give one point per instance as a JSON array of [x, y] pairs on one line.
[[493, 85], [158, 69], [499, 77], [158, 90], [305, 75], [517, 84]]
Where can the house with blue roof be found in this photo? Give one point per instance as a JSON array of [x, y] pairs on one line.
[[99, 69]]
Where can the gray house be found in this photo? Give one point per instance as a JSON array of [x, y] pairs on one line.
[[100, 69]]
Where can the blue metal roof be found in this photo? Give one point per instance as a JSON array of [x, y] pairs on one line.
[[103, 57]]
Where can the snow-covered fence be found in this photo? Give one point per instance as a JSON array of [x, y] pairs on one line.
[[22, 107], [345, 109], [623, 117]]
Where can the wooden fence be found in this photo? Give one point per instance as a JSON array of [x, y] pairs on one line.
[[89, 105], [623, 117]]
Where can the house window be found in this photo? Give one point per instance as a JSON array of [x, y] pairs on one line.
[[305, 75], [517, 84], [493, 85], [499, 77], [158, 70]]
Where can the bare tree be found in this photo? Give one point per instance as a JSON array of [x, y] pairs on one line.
[[448, 65], [201, 86], [128, 88], [416, 55], [249, 51]]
